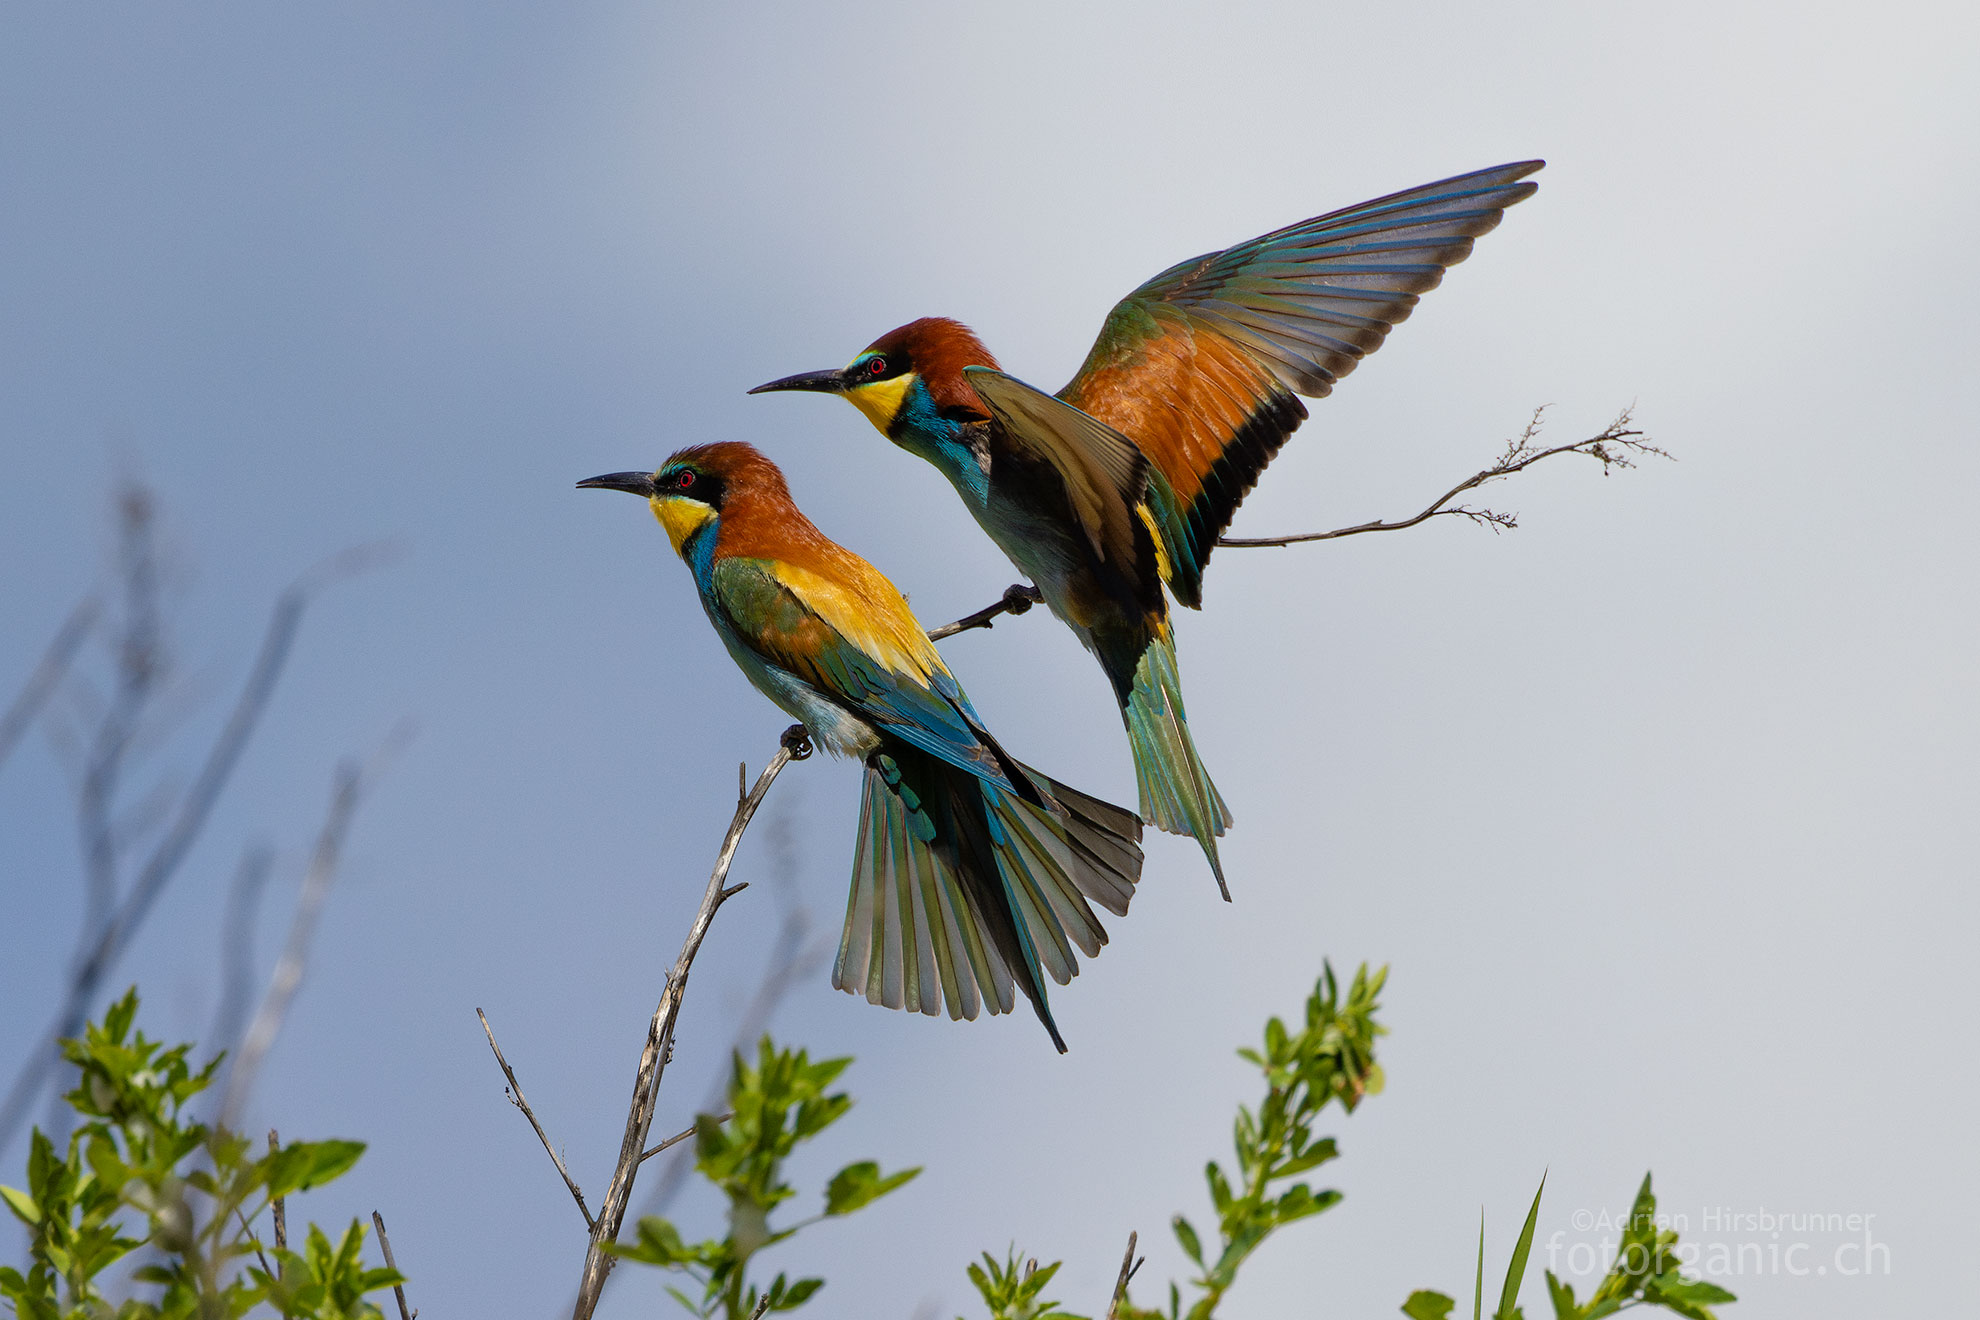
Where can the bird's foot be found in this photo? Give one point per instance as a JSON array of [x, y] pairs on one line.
[[1020, 596], [797, 741]]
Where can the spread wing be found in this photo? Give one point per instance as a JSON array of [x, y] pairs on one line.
[[1105, 475], [852, 637], [1201, 366]]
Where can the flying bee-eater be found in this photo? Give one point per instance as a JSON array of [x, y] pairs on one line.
[[1124, 480], [972, 872]]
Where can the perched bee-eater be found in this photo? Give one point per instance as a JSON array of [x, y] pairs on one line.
[[1125, 479], [971, 871]]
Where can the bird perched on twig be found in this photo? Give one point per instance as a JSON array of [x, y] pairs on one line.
[[1124, 480], [972, 872]]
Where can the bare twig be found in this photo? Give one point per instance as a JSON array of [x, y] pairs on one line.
[[762, 1307], [351, 782], [1616, 446], [516, 1099], [279, 1207], [114, 935], [1018, 598], [260, 1255], [385, 1245], [660, 1034], [1129, 1267], [679, 1137], [793, 956], [47, 675]]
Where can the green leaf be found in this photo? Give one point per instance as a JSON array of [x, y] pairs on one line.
[[22, 1205], [1562, 1296], [1426, 1305], [1516, 1271], [798, 1294], [1312, 1158], [118, 1017], [1478, 1285], [330, 1159], [1691, 1290], [302, 1165], [860, 1184], [1192, 1246], [42, 1165]]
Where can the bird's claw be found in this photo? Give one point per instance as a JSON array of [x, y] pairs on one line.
[[1018, 598], [797, 741]]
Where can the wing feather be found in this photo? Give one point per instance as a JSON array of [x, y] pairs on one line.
[[1287, 313]]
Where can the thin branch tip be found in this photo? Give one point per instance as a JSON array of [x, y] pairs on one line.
[[793, 745], [1615, 446], [513, 1093]]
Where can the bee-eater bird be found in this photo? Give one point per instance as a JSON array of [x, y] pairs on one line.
[[972, 871], [1124, 480]]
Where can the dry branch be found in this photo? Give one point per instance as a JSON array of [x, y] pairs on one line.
[[516, 1098], [679, 1137], [1129, 1266], [1018, 597], [793, 957], [385, 1245], [279, 1207], [660, 1032], [1615, 447]]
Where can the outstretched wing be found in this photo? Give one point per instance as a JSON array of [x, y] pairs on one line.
[[861, 646], [1104, 474], [1201, 366]]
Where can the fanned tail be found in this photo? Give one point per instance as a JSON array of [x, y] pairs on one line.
[[962, 892], [1176, 792]]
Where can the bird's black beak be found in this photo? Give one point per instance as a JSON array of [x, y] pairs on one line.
[[820, 382], [633, 483]]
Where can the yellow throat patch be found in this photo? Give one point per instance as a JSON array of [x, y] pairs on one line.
[[882, 399], [679, 516]]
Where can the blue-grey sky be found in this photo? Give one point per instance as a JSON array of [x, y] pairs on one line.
[[1660, 808]]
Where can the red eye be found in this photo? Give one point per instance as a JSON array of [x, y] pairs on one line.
[[684, 481], [876, 366]]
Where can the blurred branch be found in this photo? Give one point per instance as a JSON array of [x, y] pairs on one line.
[[105, 938], [237, 947], [793, 746], [1615, 447], [515, 1094], [351, 781], [47, 675], [140, 662]]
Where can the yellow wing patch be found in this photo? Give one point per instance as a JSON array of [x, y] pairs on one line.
[[868, 611]]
